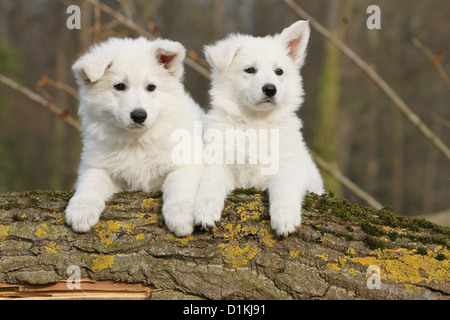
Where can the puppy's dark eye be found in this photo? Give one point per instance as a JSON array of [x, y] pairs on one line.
[[250, 70], [279, 72], [151, 87], [120, 86]]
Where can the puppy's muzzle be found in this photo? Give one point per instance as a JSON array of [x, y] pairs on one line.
[[138, 116], [269, 90]]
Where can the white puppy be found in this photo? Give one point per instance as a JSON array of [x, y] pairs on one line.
[[257, 89], [132, 99]]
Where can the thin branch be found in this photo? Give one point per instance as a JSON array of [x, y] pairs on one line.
[[435, 60], [46, 81], [138, 29], [97, 24], [63, 114], [121, 18], [440, 120], [398, 102], [105, 27], [126, 8]]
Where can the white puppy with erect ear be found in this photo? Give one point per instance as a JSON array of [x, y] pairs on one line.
[[132, 100], [257, 89], [295, 38]]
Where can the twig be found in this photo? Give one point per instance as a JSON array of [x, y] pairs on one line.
[[57, 84], [347, 182], [435, 60], [97, 24], [138, 29], [63, 114], [375, 77], [126, 9], [121, 18], [440, 120]]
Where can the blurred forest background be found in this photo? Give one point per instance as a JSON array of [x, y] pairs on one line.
[[348, 121]]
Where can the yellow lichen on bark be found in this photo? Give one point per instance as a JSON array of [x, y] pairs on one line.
[[109, 231], [405, 265], [102, 262], [41, 230], [236, 256], [52, 249]]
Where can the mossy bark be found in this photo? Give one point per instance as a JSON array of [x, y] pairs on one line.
[[327, 258]]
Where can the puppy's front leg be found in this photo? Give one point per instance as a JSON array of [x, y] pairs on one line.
[[94, 187], [286, 192], [179, 193], [215, 184]]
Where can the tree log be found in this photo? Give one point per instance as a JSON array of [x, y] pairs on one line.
[[341, 251]]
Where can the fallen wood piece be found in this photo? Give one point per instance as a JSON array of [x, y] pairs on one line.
[[341, 251]]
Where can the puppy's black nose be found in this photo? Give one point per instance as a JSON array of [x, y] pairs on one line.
[[269, 90], [138, 115]]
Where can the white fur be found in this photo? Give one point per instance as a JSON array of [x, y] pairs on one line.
[[238, 102], [121, 155]]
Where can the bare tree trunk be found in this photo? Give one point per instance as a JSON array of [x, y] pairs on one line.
[[431, 170], [328, 100], [130, 253], [218, 15], [398, 179], [59, 132]]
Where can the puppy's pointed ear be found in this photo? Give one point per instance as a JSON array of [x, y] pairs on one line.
[[90, 68], [170, 54], [221, 54], [295, 39]]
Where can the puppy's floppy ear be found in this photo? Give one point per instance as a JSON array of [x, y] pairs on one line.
[[90, 68], [295, 39], [170, 54], [221, 54]]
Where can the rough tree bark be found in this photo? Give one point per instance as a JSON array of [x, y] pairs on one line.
[[130, 253]]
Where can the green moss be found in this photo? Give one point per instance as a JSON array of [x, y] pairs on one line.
[[430, 239], [246, 191], [339, 209], [235, 199], [393, 235], [240, 195], [372, 221], [387, 218], [422, 251], [441, 257], [372, 230], [347, 236], [375, 243], [442, 230]]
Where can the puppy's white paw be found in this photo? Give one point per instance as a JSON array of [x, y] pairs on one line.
[[285, 219], [83, 214], [208, 212], [179, 219]]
